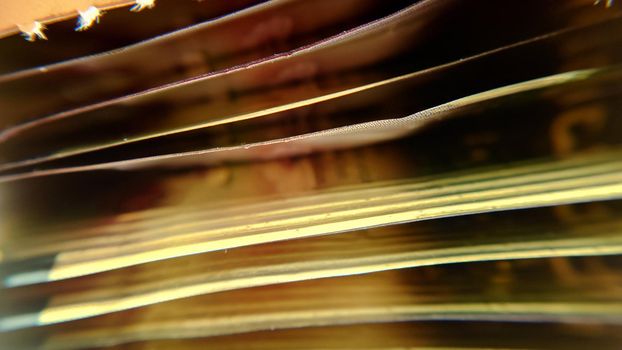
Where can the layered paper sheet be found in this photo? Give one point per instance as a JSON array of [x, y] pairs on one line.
[[311, 175]]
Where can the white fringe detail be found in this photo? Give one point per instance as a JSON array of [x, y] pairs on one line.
[[35, 32], [142, 4], [88, 18], [608, 3]]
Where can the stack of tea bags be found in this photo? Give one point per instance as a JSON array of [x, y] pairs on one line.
[[311, 174]]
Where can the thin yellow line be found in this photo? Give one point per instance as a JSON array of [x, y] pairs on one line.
[[325, 317], [606, 245], [331, 203], [538, 83], [60, 271], [332, 199]]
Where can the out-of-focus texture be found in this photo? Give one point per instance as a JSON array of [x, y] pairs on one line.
[[313, 175]]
